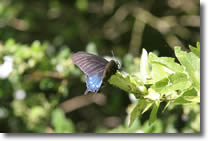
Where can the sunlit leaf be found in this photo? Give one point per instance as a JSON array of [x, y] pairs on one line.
[[167, 62], [176, 81], [166, 106], [127, 83], [153, 115], [192, 65], [195, 50], [188, 96], [144, 66], [138, 109]]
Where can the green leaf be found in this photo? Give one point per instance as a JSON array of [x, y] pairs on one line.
[[189, 96], [147, 107], [157, 127], [190, 92], [162, 67], [167, 62], [136, 112], [187, 99], [166, 106], [127, 83], [176, 81], [195, 99], [144, 68], [191, 62], [82, 5], [36, 113], [181, 100], [135, 127], [91, 48], [158, 72], [198, 45], [195, 50], [153, 115], [61, 123]]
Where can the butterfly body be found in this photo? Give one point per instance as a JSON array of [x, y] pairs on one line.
[[97, 69]]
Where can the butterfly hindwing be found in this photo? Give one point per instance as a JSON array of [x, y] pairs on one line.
[[94, 82]]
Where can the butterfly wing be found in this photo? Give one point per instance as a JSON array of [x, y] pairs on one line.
[[93, 66], [94, 82], [90, 64]]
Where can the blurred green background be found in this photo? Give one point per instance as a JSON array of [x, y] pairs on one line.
[[42, 91]]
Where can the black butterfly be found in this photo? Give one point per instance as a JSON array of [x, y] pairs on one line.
[[97, 69]]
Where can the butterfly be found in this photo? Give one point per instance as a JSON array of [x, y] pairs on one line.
[[97, 69]]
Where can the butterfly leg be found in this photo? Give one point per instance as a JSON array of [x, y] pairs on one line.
[[96, 92], [86, 92]]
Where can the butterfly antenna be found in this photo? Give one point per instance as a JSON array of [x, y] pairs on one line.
[[114, 58], [113, 54]]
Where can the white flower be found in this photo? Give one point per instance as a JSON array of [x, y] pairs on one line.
[[59, 68], [153, 95], [132, 97], [7, 67], [20, 94]]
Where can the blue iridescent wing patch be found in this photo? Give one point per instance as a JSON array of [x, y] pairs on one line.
[[94, 83], [96, 68]]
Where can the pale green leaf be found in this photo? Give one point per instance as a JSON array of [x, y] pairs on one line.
[[157, 127], [166, 106], [127, 83], [91, 48], [189, 96], [153, 115], [190, 92], [167, 62], [195, 50], [147, 107], [136, 112], [192, 65], [158, 72], [176, 81], [144, 68], [195, 99], [181, 100], [187, 99]]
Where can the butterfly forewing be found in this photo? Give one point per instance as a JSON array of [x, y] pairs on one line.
[[89, 63]]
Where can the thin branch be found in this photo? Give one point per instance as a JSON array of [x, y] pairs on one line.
[[81, 101]]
